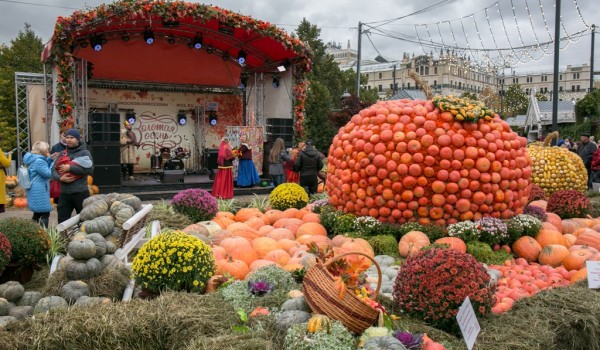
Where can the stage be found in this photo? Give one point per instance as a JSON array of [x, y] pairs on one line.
[[156, 186]]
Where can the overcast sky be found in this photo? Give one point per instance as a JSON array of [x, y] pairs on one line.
[[338, 21]]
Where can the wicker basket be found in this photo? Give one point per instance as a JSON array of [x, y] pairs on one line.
[[323, 298]]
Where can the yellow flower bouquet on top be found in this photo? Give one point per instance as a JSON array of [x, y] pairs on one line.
[[174, 260], [288, 195]]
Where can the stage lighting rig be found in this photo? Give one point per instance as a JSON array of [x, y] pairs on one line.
[[242, 57], [181, 118], [196, 43], [212, 118], [149, 37], [130, 116], [97, 41]]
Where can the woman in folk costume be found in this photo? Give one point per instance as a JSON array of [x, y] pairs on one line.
[[247, 174], [223, 185], [128, 145]]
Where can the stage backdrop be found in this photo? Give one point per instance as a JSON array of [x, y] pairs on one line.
[[157, 126]]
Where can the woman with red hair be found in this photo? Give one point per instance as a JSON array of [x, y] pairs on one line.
[[223, 185]]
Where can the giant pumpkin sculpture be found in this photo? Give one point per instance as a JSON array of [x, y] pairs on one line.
[[442, 161]]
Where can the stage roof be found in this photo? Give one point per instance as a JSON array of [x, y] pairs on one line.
[[122, 28]]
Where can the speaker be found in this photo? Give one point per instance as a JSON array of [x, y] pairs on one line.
[[106, 118], [172, 176], [98, 137], [107, 175], [106, 154], [174, 164], [211, 158], [105, 127]]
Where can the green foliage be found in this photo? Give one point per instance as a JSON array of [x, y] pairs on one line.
[[298, 338], [28, 240], [328, 215], [522, 225], [242, 328], [484, 253], [392, 229], [409, 226], [58, 244], [588, 107], [434, 231], [469, 95], [384, 245], [515, 101]]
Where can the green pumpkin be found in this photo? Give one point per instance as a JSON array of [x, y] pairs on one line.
[[130, 200], [93, 210], [384, 343], [102, 225], [82, 249]]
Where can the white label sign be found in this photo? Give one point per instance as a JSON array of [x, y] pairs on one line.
[[593, 274], [467, 321]]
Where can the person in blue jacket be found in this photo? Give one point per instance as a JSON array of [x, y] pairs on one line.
[[39, 163]]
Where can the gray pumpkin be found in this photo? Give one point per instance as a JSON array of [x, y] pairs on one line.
[[288, 318], [11, 290], [29, 299], [4, 307], [124, 215], [74, 290], [391, 272], [108, 260], [6, 319], [384, 343], [77, 270], [82, 249], [386, 288], [130, 200], [50, 303], [111, 248], [89, 301], [102, 225], [93, 210], [95, 267], [100, 243], [384, 260], [21, 312], [295, 304], [91, 199]]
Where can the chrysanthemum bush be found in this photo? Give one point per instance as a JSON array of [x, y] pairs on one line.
[[537, 193], [492, 230], [174, 260], [536, 212], [434, 283], [5, 253], [29, 242], [568, 204], [465, 230], [288, 195], [522, 225], [196, 203]]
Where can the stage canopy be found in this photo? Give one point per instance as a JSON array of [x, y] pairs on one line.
[[173, 42]]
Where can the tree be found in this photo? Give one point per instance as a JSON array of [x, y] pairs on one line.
[[469, 95], [367, 96], [490, 98], [541, 96], [588, 107], [22, 55], [515, 101]]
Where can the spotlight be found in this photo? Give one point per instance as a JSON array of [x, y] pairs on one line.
[[281, 68], [197, 43], [125, 37], [225, 56], [209, 49], [130, 117], [171, 40], [148, 37], [242, 57], [243, 81], [276, 81], [181, 118], [212, 118], [97, 41]]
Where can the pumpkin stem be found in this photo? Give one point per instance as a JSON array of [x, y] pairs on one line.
[[549, 138]]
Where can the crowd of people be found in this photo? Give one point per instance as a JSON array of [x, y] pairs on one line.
[[301, 165]]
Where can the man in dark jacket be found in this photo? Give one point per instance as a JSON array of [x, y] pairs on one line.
[[308, 163], [72, 175], [585, 152]]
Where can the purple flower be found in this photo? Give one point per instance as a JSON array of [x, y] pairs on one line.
[[410, 341], [259, 287]]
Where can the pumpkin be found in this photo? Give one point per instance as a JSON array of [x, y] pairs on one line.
[[412, 242], [212, 227], [553, 255], [292, 267], [582, 230], [29, 298], [318, 323], [246, 214], [294, 293], [273, 215], [258, 263], [338, 240], [387, 342], [453, 243], [582, 247], [311, 228], [196, 229], [280, 256], [100, 243], [290, 213], [93, 210], [219, 236], [303, 258], [320, 241], [90, 301], [281, 233], [240, 248], [579, 276], [297, 303], [288, 318], [291, 224], [232, 267], [11, 290], [256, 223], [123, 215], [357, 245], [130, 200], [554, 220], [570, 226], [102, 225], [546, 237], [74, 290], [527, 248], [570, 239], [9, 200], [11, 182], [223, 221], [50, 303], [94, 267], [264, 230], [218, 252], [111, 248], [589, 238], [77, 270], [81, 249], [226, 214], [263, 245], [576, 259], [540, 204], [20, 202]]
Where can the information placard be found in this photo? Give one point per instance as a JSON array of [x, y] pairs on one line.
[[593, 274], [467, 321]]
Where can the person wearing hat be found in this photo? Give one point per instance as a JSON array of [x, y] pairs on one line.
[[128, 145], [308, 164], [585, 152], [72, 168]]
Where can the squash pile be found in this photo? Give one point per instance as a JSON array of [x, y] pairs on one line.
[[407, 160], [556, 168], [106, 213]]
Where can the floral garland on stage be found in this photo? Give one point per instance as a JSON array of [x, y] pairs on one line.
[[68, 29]]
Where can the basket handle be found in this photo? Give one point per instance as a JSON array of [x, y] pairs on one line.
[[366, 256]]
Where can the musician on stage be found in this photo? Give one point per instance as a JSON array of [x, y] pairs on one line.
[[128, 145]]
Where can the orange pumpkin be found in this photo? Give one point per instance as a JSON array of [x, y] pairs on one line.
[[554, 220], [412, 242], [280, 256], [553, 255], [226, 214], [257, 264], [293, 267], [300, 214], [338, 240], [291, 224], [547, 237], [311, 228], [256, 223], [576, 259], [240, 248], [287, 244], [264, 230], [549, 226], [320, 241], [281, 233], [570, 239], [218, 252], [585, 222], [232, 267], [263, 245], [540, 204], [95, 189], [527, 248], [20, 202], [579, 276], [312, 217], [570, 226], [219, 236], [582, 230], [223, 221], [246, 214], [290, 213], [273, 215], [575, 247], [453, 243], [589, 238]]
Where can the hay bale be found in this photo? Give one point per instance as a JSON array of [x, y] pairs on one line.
[[560, 318]]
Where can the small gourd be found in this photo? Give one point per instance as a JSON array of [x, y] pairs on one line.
[[93, 210], [49, 303], [318, 323], [102, 225], [130, 200], [74, 290], [82, 249], [384, 343]]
